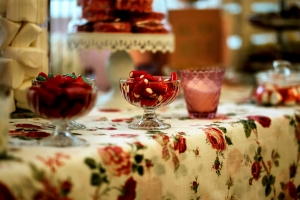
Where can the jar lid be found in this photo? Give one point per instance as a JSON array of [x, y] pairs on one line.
[[281, 74]]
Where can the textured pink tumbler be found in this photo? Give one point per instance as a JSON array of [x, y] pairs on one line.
[[202, 89]]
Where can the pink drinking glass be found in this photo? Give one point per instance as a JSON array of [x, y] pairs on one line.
[[202, 89]]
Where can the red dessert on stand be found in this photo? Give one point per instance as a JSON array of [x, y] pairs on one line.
[[146, 16], [134, 5], [150, 27], [88, 27], [92, 14], [119, 27], [98, 4], [135, 16]]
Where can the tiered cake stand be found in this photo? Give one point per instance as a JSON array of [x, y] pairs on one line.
[[278, 24], [119, 64]]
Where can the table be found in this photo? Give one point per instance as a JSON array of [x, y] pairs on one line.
[[247, 152]]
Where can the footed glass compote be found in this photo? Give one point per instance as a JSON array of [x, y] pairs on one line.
[[62, 100], [73, 125], [149, 92]]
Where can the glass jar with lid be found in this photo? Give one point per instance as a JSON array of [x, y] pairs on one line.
[[279, 86]]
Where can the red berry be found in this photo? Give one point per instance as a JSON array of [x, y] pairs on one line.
[[174, 76], [43, 74]]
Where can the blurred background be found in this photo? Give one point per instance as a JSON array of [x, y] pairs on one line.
[[248, 44]]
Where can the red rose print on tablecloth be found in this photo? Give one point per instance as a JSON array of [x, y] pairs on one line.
[[167, 150], [148, 163], [55, 161], [109, 128], [46, 194], [163, 140], [262, 120], [255, 170], [28, 134], [28, 131], [297, 133], [116, 160], [290, 191], [194, 185], [297, 127], [28, 126], [196, 152], [217, 166], [262, 169], [230, 183], [109, 110], [293, 170], [37, 134], [215, 138], [217, 141], [127, 120], [180, 143], [5, 193], [52, 192], [128, 190], [125, 135], [139, 145], [66, 187]]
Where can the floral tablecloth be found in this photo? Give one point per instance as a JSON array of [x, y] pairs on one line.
[[247, 152]]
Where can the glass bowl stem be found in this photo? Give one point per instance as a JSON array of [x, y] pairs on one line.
[[149, 121], [73, 125], [62, 137]]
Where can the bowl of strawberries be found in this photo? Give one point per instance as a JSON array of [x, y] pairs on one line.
[[61, 98]]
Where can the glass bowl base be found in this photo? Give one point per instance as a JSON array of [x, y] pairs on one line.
[[149, 125], [73, 125], [62, 139]]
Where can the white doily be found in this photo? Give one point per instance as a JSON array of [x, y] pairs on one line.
[[118, 42]]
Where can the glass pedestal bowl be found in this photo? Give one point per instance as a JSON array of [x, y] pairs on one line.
[[61, 102], [149, 95], [73, 125]]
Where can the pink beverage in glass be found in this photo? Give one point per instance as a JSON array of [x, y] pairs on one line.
[[202, 89]]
